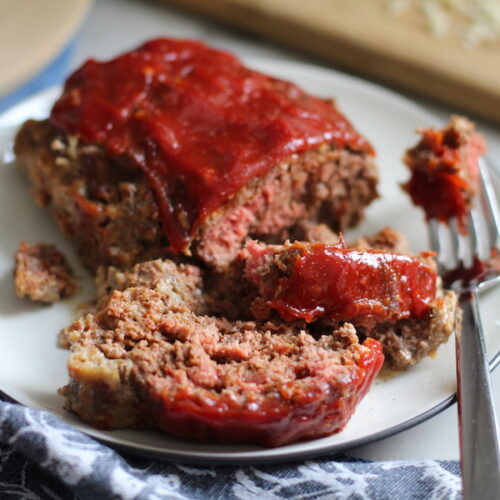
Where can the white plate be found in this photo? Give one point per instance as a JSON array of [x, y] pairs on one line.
[[32, 367]]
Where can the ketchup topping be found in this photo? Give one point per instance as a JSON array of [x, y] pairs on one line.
[[357, 285], [441, 196], [196, 122], [275, 419]]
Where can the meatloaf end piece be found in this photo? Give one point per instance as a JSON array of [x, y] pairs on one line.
[[444, 170], [107, 208], [194, 154], [142, 361], [392, 297], [42, 273], [182, 283]]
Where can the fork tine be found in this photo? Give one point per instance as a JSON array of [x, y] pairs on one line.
[[457, 244], [490, 205], [433, 227], [474, 229], [465, 245], [436, 243], [454, 248]]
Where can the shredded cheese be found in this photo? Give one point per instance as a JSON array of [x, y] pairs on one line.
[[478, 20], [437, 19]]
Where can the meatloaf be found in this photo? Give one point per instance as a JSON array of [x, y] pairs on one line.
[[444, 170], [195, 153], [42, 273], [394, 297], [143, 359], [156, 350]]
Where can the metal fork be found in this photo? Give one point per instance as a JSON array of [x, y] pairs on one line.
[[478, 427]]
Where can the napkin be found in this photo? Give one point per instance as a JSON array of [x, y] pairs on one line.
[[43, 457]]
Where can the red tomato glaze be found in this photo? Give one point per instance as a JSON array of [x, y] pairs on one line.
[[323, 410], [361, 286], [441, 196], [197, 122]]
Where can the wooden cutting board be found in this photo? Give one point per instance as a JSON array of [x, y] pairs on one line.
[[360, 36]]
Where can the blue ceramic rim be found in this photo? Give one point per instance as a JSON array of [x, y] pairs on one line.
[[51, 75]]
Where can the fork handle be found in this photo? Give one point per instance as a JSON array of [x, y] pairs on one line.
[[478, 428]]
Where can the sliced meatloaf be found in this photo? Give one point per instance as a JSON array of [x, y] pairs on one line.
[[193, 155], [142, 360], [159, 349], [393, 297]]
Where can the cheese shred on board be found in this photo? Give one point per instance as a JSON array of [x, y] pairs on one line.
[[473, 21]]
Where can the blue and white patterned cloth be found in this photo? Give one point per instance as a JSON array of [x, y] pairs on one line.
[[42, 457]]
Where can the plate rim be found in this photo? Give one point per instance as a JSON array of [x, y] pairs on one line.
[[229, 458]]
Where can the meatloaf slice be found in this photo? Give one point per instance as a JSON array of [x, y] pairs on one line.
[[143, 361], [105, 205], [193, 154], [393, 297]]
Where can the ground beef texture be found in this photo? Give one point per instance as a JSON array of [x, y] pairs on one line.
[[42, 273]]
